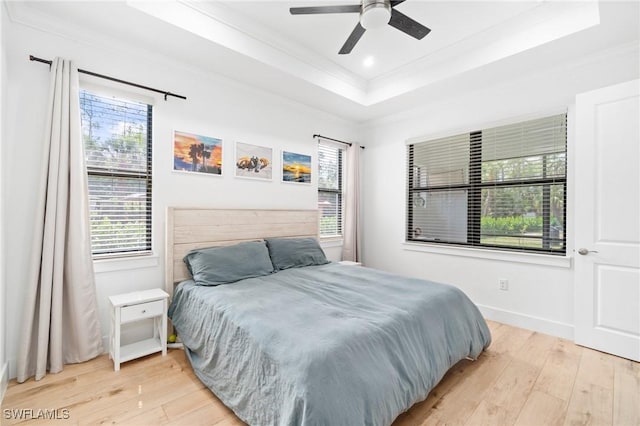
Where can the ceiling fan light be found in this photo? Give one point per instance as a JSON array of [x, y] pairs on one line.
[[375, 15]]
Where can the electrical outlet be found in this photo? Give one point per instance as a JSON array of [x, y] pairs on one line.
[[504, 285]]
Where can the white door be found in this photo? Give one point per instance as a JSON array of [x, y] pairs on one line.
[[607, 203]]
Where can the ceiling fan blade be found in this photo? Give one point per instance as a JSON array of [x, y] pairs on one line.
[[312, 10], [352, 40], [394, 3], [408, 25]]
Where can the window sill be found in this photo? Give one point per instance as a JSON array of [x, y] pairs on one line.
[[125, 263], [505, 256], [331, 241]]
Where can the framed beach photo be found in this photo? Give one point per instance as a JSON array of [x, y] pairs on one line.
[[253, 161], [197, 154], [296, 168]]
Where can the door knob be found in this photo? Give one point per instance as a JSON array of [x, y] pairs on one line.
[[583, 251]]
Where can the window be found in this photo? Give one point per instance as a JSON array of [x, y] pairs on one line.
[[117, 141], [503, 187], [330, 160]]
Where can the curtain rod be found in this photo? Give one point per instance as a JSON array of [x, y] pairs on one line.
[[117, 80], [335, 140]]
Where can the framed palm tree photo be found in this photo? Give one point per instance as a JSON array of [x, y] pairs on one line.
[[196, 153]]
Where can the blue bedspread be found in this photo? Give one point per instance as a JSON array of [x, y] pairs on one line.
[[325, 345]]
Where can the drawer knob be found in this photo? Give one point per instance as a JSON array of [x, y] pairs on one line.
[[144, 311]]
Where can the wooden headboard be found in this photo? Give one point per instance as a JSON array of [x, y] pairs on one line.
[[192, 228]]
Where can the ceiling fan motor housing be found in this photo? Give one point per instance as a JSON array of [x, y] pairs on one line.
[[375, 13]]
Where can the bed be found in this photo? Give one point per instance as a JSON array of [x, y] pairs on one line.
[[313, 344]]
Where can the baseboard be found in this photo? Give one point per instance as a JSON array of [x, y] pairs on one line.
[[541, 325], [4, 380]]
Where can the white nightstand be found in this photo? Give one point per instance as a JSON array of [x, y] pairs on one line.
[[350, 262], [137, 306]]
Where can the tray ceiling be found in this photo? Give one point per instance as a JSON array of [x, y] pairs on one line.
[[261, 43]]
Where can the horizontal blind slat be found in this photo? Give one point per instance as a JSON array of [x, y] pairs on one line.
[[117, 142], [330, 162], [500, 187]]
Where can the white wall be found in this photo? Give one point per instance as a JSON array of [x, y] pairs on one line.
[[4, 372], [216, 106], [540, 297]]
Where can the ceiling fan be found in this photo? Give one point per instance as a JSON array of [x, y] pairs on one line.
[[373, 14]]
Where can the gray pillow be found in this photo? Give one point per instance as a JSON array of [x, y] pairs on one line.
[[221, 265], [295, 252]]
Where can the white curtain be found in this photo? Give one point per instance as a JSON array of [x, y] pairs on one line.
[[351, 249], [60, 323]]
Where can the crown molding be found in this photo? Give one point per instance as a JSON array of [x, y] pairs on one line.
[[547, 22], [20, 13], [616, 54], [252, 29], [293, 72], [192, 18]]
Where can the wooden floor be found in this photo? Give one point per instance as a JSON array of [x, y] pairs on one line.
[[524, 378]]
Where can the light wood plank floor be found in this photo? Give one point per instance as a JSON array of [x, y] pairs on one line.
[[524, 378]]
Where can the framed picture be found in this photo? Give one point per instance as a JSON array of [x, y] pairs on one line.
[[296, 168], [197, 154], [253, 161]]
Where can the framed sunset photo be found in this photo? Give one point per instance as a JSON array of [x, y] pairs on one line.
[[197, 154], [296, 168]]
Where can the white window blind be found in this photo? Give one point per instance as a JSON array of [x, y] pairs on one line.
[[330, 162], [502, 187], [117, 141]]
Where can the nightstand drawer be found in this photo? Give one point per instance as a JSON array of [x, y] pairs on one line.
[[141, 311]]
